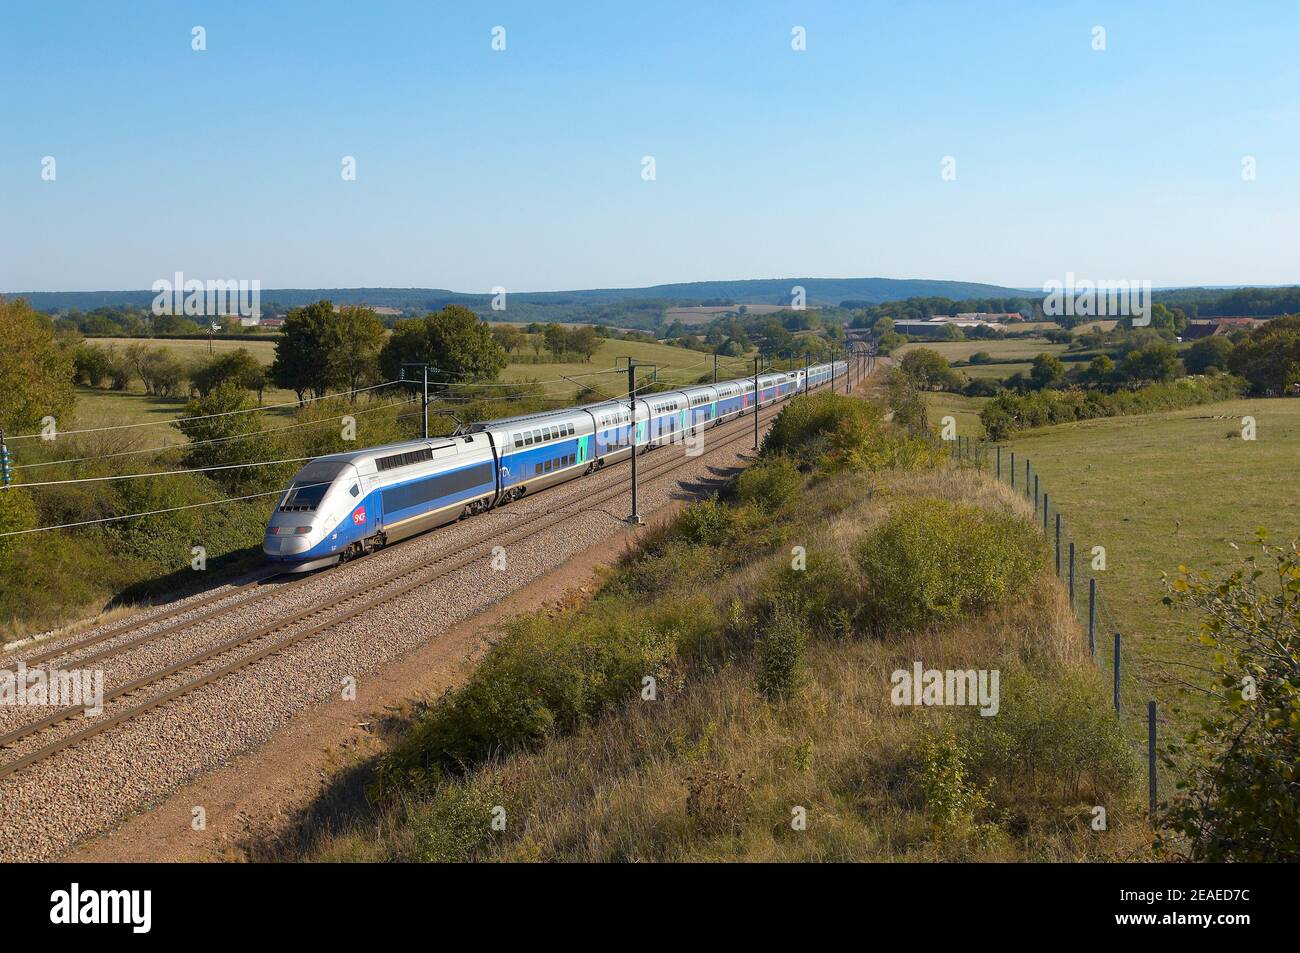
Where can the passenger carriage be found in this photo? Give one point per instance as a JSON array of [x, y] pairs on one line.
[[348, 504]]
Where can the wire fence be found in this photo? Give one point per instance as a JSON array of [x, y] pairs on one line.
[[1081, 569]]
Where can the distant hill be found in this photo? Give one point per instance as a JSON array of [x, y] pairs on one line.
[[818, 291]]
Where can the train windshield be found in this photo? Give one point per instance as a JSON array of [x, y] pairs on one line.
[[310, 484]]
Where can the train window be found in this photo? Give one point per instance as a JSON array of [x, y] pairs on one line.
[[548, 466], [519, 440], [537, 469], [356, 490]]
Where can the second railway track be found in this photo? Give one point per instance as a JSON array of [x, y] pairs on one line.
[[337, 609]]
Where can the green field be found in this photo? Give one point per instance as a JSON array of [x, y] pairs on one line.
[[1021, 349], [260, 347], [1160, 490], [676, 365], [105, 408]]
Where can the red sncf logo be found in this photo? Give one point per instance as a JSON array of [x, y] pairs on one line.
[[359, 516]]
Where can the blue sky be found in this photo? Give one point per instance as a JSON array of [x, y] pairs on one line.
[[522, 168]]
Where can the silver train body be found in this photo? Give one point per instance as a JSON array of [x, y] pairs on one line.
[[348, 504]]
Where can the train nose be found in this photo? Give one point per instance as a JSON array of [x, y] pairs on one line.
[[286, 540]]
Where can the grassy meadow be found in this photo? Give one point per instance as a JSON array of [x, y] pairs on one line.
[[1160, 490], [1006, 351]]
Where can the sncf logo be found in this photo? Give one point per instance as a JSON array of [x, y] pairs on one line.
[[359, 516]]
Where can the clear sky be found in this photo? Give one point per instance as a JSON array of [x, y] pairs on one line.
[[523, 168]]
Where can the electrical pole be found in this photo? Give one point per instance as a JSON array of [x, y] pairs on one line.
[[758, 400], [715, 367], [631, 403], [807, 359], [632, 365], [424, 368]]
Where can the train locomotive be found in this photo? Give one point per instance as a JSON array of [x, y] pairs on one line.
[[349, 504]]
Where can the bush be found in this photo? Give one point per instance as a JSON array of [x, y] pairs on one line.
[[454, 825], [770, 483], [547, 674], [705, 522], [1241, 799], [1052, 740], [780, 653], [934, 562]]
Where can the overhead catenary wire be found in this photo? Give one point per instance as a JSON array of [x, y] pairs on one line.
[[226, 413], [162, 473], [131, 516], [214, 440]]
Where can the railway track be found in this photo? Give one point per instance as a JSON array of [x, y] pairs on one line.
[[313, 619]]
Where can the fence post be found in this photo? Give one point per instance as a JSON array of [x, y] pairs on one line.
[[1151, 758], [1058, 561], [1027, 480], [1092, 617], [1071, 574], [1058, 538], [999, 461], [1116, 664]]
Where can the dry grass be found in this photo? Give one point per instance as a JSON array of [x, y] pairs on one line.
[[715, 772]]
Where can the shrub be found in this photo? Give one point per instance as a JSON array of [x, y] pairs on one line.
[[934, 562], [780, 653], [705, 522], [454, 825], [1240, 800], [717, 802], [1051, 740], [547, 674], [770, 483], [953, 800]]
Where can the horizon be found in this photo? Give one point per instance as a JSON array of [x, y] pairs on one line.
[[524, 167]]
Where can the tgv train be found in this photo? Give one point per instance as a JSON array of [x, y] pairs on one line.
[[348, 504]]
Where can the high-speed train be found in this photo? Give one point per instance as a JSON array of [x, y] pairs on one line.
[[348, 504]]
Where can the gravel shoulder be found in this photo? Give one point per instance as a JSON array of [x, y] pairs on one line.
[[172, 760]]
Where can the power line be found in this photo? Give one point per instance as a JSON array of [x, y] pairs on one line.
[[227, 413], [156, 473], [131, 516], [212, 440]]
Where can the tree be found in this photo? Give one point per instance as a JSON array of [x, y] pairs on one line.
[[304, 354], [584, 341], [223, 429], [1100, 370], [1241, 799], [508, 336], [1047, 370], [557, 339], [929, 370], [1155, 362], [454, 342], [1206, 353], [236, 367], [354, 362], [35, 369], [1269, 358]]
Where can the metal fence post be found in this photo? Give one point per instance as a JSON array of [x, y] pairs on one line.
[[1071, 574], [1058, 537], [1026, 479], [1058, 552], [1151, 758], [1116, 664], [1092, 617]]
